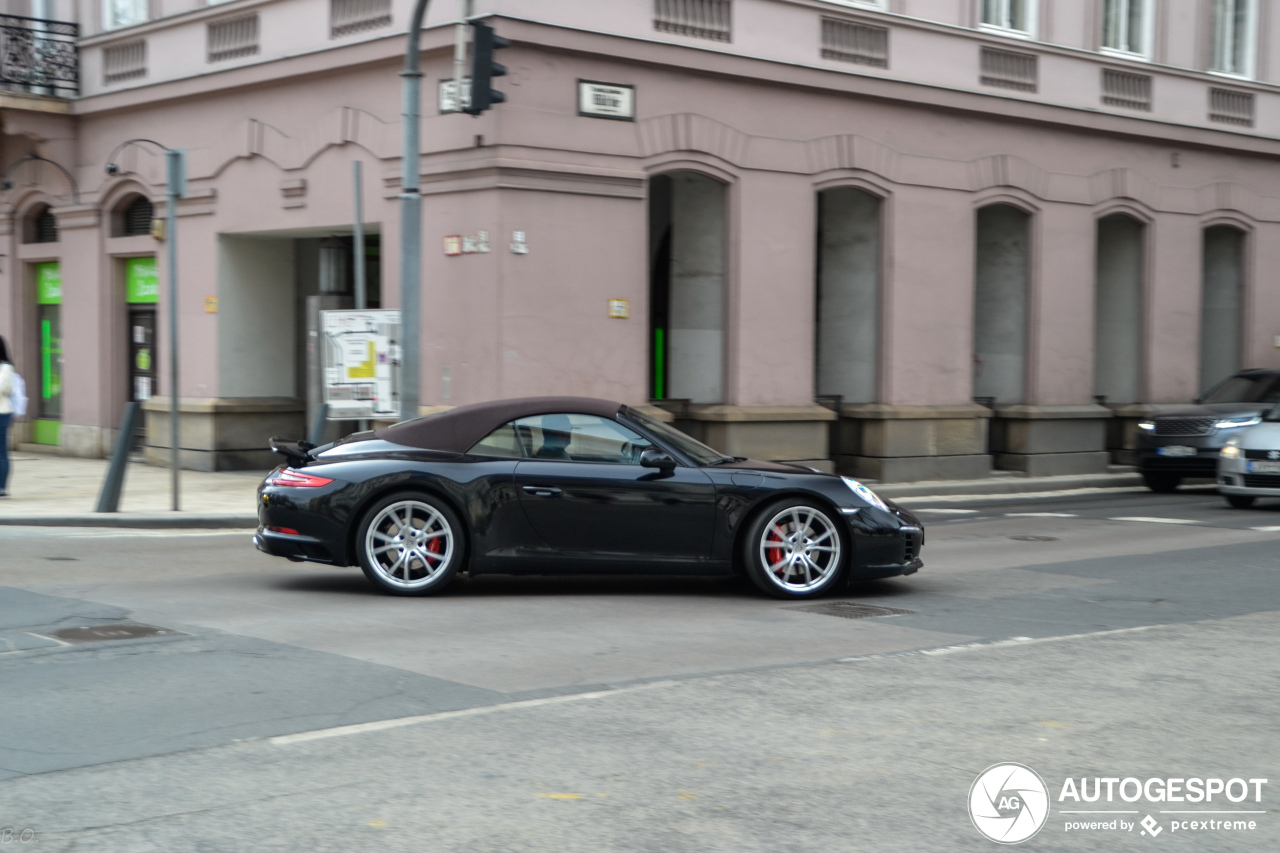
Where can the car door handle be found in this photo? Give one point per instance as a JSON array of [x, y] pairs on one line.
[[542, 491]]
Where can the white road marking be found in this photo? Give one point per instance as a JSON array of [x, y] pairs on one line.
[[912, 500], [995, 644], [123, 532], [1271, 529], [947, 511], [1154, 520], [399, 722], [1040, 515]]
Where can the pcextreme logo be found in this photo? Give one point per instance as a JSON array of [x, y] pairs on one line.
[[1009, 803]]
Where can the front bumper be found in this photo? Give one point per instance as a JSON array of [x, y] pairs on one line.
[[885, 551], [1234, 478]]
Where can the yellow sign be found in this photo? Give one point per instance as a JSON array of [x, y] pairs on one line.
[[619, 309], [364, 369], [211, 305]]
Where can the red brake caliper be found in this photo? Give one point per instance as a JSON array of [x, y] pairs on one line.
[[435, 546], [773, 555]]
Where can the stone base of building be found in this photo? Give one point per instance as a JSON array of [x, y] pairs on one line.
[[798, 434], [84, 442], [890, 443], [907, 469], [1047, 441], [222, 434]]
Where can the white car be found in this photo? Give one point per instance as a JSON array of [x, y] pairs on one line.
[[1249, 463]]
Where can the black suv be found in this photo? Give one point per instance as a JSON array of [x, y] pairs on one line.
[[1185, 442]]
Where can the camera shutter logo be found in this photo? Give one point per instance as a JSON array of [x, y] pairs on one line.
[[1008, 803]]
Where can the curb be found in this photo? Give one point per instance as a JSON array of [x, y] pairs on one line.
[[138, 520], [997, 487]]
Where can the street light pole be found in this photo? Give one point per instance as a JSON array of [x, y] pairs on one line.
[[176, 178], [175, 162], [411, 223]]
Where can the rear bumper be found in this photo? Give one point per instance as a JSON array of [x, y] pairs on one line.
[[293, 546]]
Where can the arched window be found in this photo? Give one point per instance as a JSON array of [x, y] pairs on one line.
[[848, 307], [1117, 358], [40, 226], [1221, 304], [1001, 277], [136, 217], [687, 287]]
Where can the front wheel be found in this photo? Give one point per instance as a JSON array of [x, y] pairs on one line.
[[794, 550], [410, 544], [1240, 501]]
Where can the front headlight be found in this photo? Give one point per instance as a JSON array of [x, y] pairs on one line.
[[1236, 423], [1147, 426], [864, 493], [1231, 451]]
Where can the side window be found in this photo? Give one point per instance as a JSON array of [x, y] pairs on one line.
[[501, 443], [579, 438]]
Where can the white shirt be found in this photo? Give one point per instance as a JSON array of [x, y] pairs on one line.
[[6, 388]]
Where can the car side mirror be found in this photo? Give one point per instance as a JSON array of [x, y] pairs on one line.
[[654, 458]]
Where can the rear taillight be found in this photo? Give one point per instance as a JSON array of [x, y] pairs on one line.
[[288, 530], [297, 479]]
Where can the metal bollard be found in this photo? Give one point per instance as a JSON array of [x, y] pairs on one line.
[[109, 498]]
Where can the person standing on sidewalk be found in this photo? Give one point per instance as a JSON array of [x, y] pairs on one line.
[[6, 416]]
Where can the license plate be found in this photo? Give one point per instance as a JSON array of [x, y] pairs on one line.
[[1265, 467], [1175, 450]]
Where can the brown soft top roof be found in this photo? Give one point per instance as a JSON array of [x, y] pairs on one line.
[[458, 429]]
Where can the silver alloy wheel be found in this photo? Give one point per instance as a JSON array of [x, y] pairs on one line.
[[409, 544], [800, 549]]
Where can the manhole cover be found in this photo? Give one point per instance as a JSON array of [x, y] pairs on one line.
[[852, 610], [1034, 538], [103, 633]]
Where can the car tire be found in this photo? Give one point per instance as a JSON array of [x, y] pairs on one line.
[[795, 549], [410, 543], [1163, 483], [1240, 501]]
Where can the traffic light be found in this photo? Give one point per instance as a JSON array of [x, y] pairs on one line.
[[484, 69]]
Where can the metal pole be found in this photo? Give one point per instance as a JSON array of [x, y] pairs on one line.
[[411, 222], [361, 294], [460, 53], [176, 176]]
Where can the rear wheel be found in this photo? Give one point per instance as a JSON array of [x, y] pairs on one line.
[[794, 550], [410, 544], [1161, 482], [1240, 501]]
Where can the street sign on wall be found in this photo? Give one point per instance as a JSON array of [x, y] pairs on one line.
[[361, 362], [606, 100]]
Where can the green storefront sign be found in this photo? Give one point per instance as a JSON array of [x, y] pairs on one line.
[[141, 283], [47, 426]]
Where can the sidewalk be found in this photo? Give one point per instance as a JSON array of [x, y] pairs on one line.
[[50, 490], [60, 491]]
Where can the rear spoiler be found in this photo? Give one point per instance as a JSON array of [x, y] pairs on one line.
[[297, 453]]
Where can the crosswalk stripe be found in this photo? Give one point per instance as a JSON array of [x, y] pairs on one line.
[[1041, 515], [947, 511]]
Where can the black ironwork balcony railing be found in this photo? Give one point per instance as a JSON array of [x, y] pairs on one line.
[[39, 56]]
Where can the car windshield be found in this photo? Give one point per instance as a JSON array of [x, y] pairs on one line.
[[695, 450], [1245, 389]]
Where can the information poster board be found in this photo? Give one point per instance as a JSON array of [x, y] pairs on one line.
[[361, 362]]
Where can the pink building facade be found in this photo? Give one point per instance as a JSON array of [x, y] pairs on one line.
[[911, 240]]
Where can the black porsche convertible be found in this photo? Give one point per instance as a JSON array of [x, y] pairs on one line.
[[571, 484]]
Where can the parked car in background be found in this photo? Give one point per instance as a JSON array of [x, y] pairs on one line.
[[1186, 442], [1249, 464]]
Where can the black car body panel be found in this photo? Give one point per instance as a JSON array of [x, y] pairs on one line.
[[527, 515]]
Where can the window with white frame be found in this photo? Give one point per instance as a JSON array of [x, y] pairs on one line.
[[1016, 17], [1233, 36], [124, 13], [1127, 26]]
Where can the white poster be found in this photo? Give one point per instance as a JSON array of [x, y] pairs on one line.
[[361, 364]]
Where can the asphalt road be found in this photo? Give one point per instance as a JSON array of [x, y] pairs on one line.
[[289, 707]]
